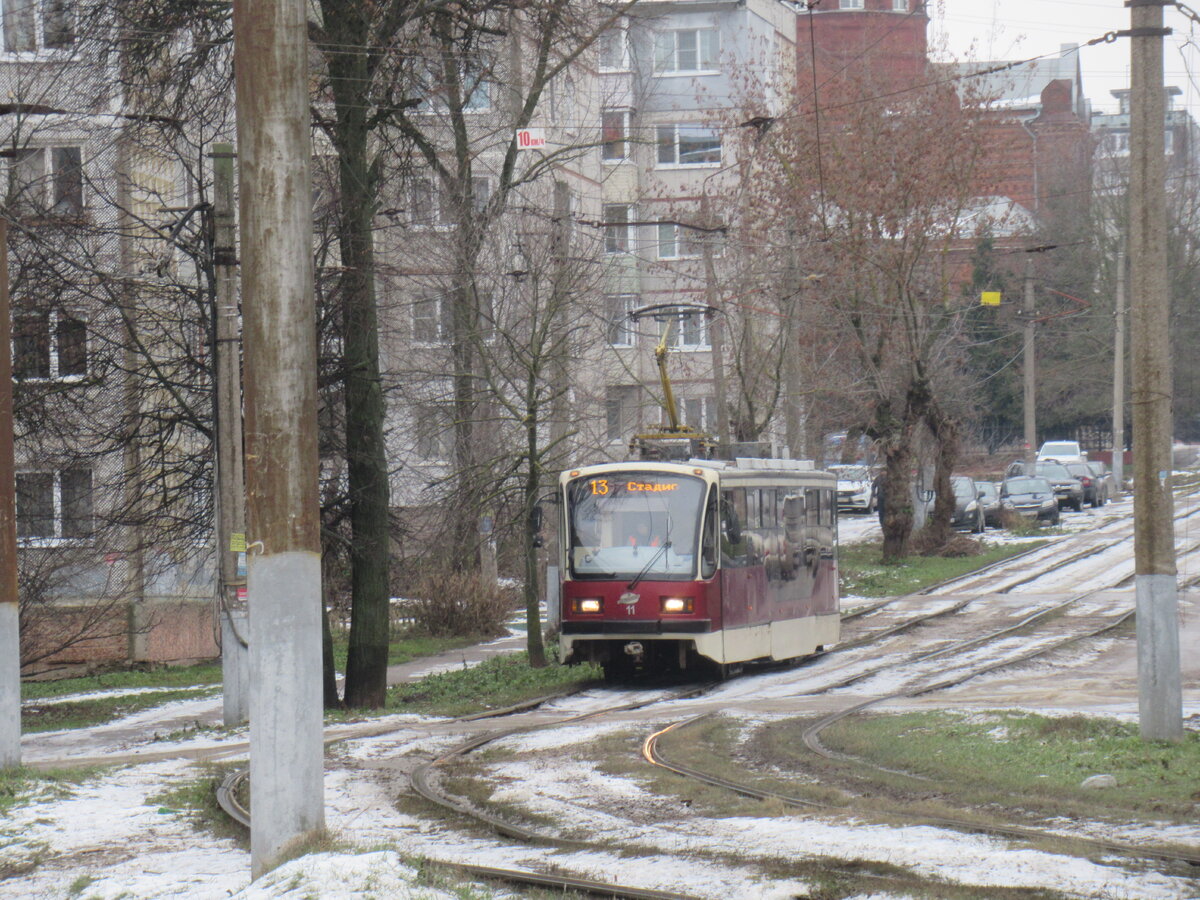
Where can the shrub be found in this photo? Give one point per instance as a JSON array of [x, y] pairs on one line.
[[449, 604]]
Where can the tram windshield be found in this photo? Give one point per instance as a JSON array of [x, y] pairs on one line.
[[631, 524]]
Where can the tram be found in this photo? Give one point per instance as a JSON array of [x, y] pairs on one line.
[[697, 564]]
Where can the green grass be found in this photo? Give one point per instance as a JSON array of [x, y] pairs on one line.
[[98, 710], [196, 800], [862, 573], [1036, 761], [159, 676], [18, 785], [407, 648], [493, 684]]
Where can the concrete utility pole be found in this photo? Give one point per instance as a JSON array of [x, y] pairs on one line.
[[1028, 314], [1118, 441], [10, 626], [716, 338], [231, 495], [1160, 695], [284, 571]]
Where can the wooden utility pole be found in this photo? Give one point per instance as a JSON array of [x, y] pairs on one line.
[[1030, 361], [231, 497], [1118, 441], [1160, 695], [282, 504], [10, 620]]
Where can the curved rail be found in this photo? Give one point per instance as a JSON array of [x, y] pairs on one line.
[[652, 752]]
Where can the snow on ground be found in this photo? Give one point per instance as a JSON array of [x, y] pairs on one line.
[[115, 830], [113, 836]]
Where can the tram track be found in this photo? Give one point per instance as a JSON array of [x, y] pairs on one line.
[[998, 829], [424, 782], [652, 751]]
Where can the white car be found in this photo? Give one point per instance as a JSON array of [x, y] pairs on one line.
[[855, 489], [1062, 451]]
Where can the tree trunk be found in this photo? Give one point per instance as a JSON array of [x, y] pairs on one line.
[[366, 465], [945, 433]]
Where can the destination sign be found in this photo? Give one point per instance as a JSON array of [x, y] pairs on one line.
[[604, 486]]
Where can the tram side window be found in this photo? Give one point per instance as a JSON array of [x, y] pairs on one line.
[[827, 508], [734, 550], [708, 541], [753, 514], [769, 517], [812, 506]]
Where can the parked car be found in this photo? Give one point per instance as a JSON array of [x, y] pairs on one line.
[[989, 499], [968, 514], [1062, 451], [1067, 487], [855, 488], [1030, 496], [1100, 473], [1095, 493]]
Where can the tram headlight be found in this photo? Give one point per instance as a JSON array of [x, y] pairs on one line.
[[587, 605], [676, 605]]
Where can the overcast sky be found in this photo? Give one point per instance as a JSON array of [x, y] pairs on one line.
[[1019, 29]]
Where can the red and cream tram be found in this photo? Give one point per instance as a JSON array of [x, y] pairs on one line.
[[668, 565]]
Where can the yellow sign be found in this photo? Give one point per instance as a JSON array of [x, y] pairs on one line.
[[989, 298], [237, 542]]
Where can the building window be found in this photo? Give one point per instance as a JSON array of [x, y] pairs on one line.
[[430, 206], [620, 321], [688, 145], [614, 50], [678, 242], [687, 50], [473, 86], [30, 25], [900, 5], [430, 319], [851, 4], [700, 413], [434, 433], [47, 180], [620, 412], [617, 217], [614, 135], [54, 504], [692, 332], [49, 345]]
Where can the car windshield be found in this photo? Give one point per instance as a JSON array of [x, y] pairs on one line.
[[1079, 469], [987, 489], [620, 524], [1060, 448], [1027, 486], [1053, 470], [852, 473], [964, 488]]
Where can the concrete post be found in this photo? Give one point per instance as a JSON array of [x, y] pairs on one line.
[[1118, 441], [231, 501], [1160, 694], [716, 340], [1030, 379], [10, 630], [284, 563]]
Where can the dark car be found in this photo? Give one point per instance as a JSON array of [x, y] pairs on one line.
[[1030, 496], [1067, 487], [1095, 492], [989, 499], [1101, 474], [968, 514]]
